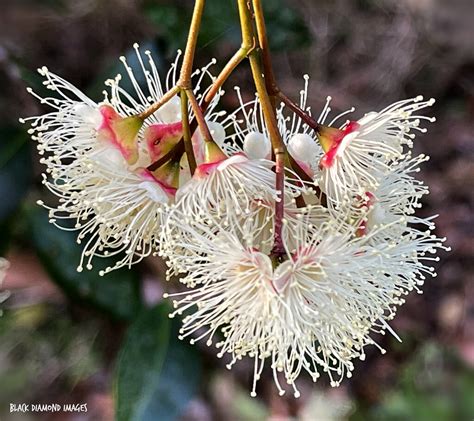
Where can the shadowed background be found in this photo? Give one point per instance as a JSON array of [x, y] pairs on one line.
[[61, 331]]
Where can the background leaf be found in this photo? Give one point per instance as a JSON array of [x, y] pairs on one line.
[[15, 176], [117, 292], [157, 374]]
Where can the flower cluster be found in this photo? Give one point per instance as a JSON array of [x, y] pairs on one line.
[[305, 300]]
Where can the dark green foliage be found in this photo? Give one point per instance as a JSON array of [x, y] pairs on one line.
[[117, 293], [156, 374]]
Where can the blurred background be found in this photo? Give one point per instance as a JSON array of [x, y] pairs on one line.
[[67, 337]]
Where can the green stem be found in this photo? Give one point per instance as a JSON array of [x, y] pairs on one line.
[[188, 58], [236, 59], [158, 104], [270, 81], [199, 115], [269, 116]]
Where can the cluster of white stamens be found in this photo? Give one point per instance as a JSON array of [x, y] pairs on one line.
[[116, 205], [352, 254], [350, 249]]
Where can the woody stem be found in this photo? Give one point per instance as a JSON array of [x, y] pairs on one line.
[[310, 121]]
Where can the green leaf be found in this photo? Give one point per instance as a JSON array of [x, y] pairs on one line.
[[15, 177], [15, 168], [117, 293], [156, 374], [178, 381]]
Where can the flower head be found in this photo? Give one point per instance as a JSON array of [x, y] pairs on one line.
[[223, 192], [396, 198], [314, 312], [96, 156], [359, 154]]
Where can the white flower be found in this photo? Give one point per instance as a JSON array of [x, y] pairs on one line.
[[70, 129], [114, 212], [95, 157], [236, 297], [224, 192], [359, 155], [396, 198], [315, 311]]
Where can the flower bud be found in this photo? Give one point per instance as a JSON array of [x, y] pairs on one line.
[[213, 153], [168, 176], [170, 112], [329, 137], [303, 148], [217, 132], [256, 145]]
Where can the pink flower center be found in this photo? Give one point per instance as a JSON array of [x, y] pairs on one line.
[[329, 157], [148, 176], [161, 138], [121, 132]]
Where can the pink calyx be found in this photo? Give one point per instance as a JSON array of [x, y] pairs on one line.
[[167, 184], [215, 159], [121, 132], [331, 140], [161, 138]]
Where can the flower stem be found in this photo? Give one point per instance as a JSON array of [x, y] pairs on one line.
[[279, 150], [162, 101], [310, 121], [188, 58], [184, 81], [270, 81], [188, 146], [231, 65], [199, 115]]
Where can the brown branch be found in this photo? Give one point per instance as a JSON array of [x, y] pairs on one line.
[[310, 121]]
